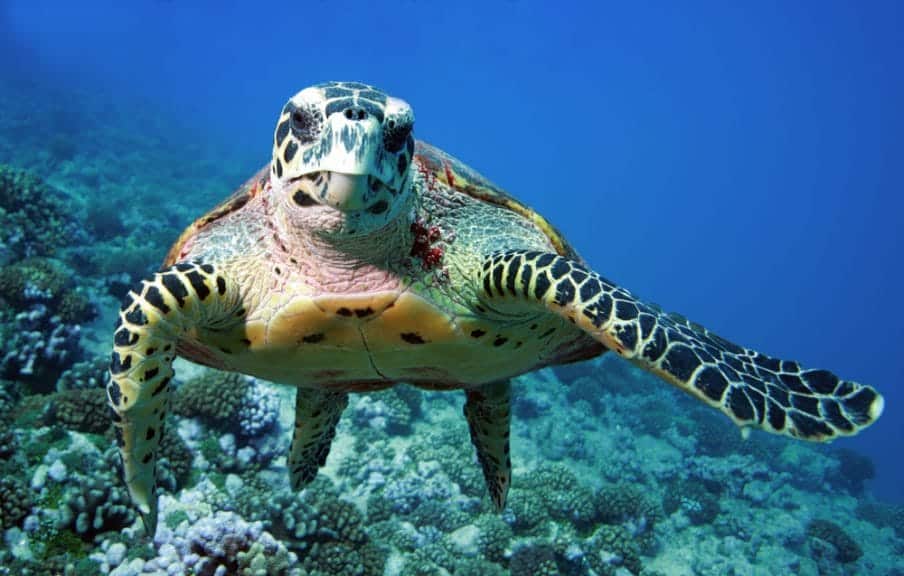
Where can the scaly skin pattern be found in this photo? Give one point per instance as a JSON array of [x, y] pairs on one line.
[[180, 300], [360, 258], [751, 388]]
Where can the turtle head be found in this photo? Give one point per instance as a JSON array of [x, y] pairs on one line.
[[344, 146]]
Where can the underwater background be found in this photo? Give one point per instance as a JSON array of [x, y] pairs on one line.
[[740, 164]]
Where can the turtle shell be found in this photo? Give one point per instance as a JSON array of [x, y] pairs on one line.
[[458, 175], [239, 198]]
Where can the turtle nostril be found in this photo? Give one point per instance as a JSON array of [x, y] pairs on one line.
[[355, 113]]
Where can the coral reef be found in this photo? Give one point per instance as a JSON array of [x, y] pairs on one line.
[[229, 402], [85, 375], [391, 410], [32, 215], [99, 505], [696, 499], [15, 500], [846, 549], [854, 470], [82, 410], [883, 514], [533, 560], [37, 348], [612, 547], [223, 543]]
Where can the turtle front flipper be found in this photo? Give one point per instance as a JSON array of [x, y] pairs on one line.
[[751, 388], [317, 413], [153, 317], [488, 412]]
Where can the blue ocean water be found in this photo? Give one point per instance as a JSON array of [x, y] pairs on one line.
[[740, 164]]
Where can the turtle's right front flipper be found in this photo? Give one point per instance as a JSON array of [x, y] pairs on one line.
[[753, 389], [152, 319]]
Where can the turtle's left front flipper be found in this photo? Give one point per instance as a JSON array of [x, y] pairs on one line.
[[154, 316], [751, 388]]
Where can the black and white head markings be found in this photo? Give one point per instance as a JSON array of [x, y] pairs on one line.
[[344, 145]]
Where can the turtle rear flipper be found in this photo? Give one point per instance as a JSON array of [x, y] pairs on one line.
[[488, 410], [317, 413], [751, 388], [152, 319]]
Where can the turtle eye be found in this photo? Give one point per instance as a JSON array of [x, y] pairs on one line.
[[301, 122], [305, 124], [395, 134]]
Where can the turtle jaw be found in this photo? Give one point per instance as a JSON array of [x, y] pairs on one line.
[[347, 193]]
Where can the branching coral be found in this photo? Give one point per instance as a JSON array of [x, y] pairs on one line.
[[534, 560], [229, 401], [9, 397], [88, 374], [223, 544], [391, 410], [39, 348], [528, 510], [15, 501], [564, 497], [692, 497], [81, 410], [98, 504], [626, 503], [32, 218], [494, 537], [611, 547], [327, 534], [175, 459]]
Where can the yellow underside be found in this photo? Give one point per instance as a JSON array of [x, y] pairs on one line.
[[362, 342]]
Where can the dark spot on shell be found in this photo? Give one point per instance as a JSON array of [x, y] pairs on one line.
[[412, 338]]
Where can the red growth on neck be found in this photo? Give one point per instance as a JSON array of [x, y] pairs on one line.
[[424, 238]]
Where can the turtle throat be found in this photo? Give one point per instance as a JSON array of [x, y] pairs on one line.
[[332, 213]]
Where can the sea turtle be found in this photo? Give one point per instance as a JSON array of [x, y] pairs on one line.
[[360, 257]]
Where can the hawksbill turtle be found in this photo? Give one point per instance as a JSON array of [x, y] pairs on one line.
[[359, 258]]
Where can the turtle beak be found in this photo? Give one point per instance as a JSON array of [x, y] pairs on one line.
[[346, 191]]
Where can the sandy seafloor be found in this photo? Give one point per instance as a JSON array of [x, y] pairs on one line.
[[614, 472]]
